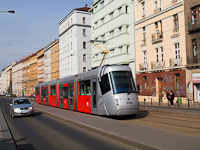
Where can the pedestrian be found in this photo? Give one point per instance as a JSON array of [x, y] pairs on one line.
[[168, 96], [172, 98]]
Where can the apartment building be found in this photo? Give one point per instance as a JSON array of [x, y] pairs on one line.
[[160, 48], [74, 49], [47, 63], [25, 76], [17, 78], [0, 86], [33, 72], [40, 66], [55, 60], [113, 22], [3, 81], [192, 22]]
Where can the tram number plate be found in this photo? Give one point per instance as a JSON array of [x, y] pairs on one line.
[[129, 103]]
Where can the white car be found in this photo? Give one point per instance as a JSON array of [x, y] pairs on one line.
[[21, 107]]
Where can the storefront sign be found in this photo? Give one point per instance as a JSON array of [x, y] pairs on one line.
[[196, 77]]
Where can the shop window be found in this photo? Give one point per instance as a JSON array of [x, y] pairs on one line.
[[84, 87], [177, 81], [144, 82]]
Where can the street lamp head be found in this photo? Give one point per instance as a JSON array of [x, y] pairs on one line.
[[11, 11]]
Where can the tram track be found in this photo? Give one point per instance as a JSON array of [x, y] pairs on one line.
[[173, 122]]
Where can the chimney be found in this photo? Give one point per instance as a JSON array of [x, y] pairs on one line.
[[85, 5]]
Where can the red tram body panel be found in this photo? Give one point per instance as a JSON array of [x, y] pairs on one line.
[[101, 91]]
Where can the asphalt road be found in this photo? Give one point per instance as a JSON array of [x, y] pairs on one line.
[[42, 132]]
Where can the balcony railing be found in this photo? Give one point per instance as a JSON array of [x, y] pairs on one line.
[[157, 37], [175, 62], [158, 65], [143, 66], [194, 25], [193, 59]]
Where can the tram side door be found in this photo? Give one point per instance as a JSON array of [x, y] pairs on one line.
[[94, 96], [70, 96]]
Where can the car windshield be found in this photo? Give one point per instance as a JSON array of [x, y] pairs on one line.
[[122, 82], [21, 101]]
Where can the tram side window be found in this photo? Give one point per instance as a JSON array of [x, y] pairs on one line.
[[65, 92], [60, 91], [84, 87], [53, 90], [104, 84], [37, 91], [44, 92]]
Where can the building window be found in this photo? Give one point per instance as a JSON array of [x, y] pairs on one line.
[[126, 9], [194, 15], [96, 24], [120, 50], [112, 34], [84, 32], [144, 82], [84, 45], [145, 60], [102, 21], [177, 81], [84, 58], [120, 10], [194, 47], [144, 34], [127, 49], [157, 58], [102, 4], [155, 4], [177, 51], [103, 37], [143, 9], [84, 69], [84, 20], [176, 25], [111, 15], [162, 56], [120, 30], [112, 52]]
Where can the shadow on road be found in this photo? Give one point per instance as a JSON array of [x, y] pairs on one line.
[[141, 114]]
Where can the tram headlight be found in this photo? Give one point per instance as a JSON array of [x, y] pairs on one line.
[[116, 102]]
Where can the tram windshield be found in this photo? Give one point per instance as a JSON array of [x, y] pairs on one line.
[[122, 82]]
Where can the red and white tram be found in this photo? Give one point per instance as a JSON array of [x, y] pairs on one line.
[[106, 90]]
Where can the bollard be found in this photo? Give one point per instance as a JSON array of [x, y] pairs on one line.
[[159, 101], [144, 101], [168, 102], [188, 102], [151, 101]]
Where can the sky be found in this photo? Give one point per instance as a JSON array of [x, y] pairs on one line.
[[32, 27]]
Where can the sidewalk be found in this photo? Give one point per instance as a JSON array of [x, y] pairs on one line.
[[6, 141]]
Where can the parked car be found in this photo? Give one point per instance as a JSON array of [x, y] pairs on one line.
[[21, 107]]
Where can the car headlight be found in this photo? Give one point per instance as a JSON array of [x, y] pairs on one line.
[[30, 108], [17, 109]]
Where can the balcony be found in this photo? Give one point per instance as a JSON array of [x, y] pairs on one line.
[[193, 25], [158, 65], [143, 66], [191, 60], [175, 62], [157, 37]]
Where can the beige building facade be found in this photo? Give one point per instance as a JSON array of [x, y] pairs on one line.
[[160, 48], [55, 60], [40, 63]]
